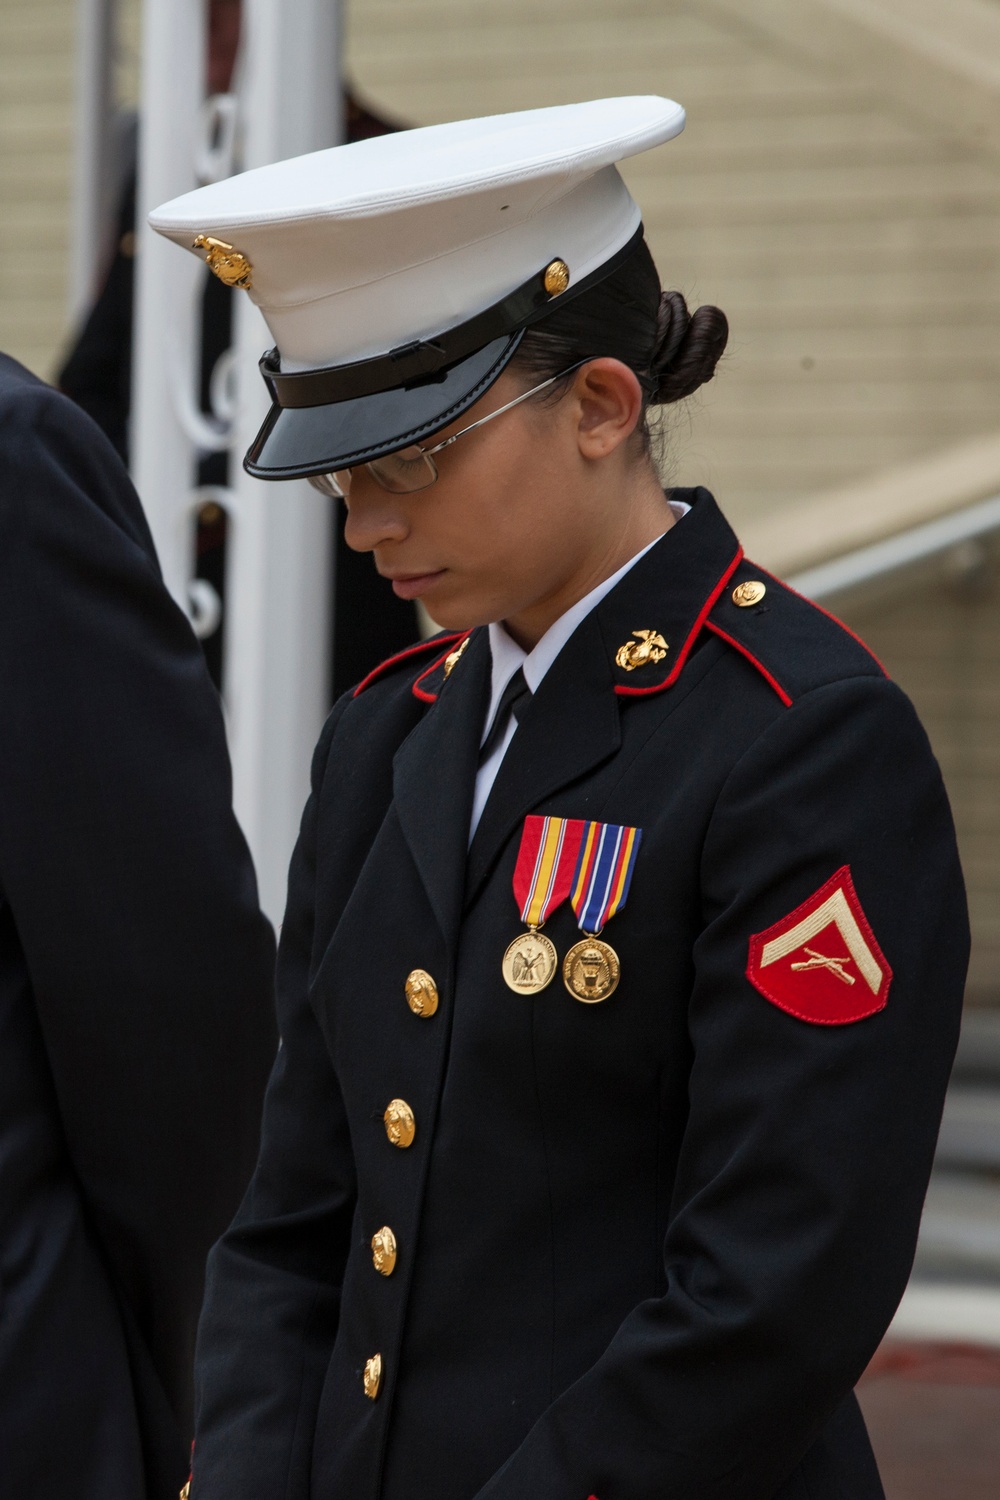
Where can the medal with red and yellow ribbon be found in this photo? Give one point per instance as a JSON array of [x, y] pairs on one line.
[[589, 863], [543, 877], [601, 881]]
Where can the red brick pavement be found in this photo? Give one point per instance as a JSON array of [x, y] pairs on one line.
[[933, 1412]]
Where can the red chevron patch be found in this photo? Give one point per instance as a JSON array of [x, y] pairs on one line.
[[822, 962]]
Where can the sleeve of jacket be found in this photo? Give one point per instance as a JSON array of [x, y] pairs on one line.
[[259, 1380], [807, 1150], [125, 871]]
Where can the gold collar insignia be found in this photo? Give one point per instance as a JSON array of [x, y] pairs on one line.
[[648, 646]]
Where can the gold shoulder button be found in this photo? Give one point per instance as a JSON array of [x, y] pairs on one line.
[[421, 993], [751, 592]]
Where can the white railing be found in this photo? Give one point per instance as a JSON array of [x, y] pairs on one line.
[[287, 101]]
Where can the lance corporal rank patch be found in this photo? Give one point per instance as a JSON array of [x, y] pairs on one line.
[[822, 962]]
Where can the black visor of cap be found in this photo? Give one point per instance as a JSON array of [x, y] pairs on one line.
[[338, 417], [297, 441]]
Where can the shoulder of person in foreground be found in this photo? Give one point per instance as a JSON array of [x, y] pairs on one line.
[[129, 883]]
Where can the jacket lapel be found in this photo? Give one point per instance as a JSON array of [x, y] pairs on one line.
[[573, 723], [570, 726], [434, 773]]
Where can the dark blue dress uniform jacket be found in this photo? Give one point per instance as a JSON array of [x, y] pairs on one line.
[[136, 1001], [645, 1247]]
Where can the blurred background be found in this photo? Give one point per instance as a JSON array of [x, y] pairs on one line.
[[837, 192]]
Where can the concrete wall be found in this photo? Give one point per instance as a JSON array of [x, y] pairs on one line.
[[852, 245], [37, 63], [36, 106]]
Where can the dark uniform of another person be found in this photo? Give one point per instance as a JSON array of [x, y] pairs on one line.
[[594, 1155], [136, 1000]]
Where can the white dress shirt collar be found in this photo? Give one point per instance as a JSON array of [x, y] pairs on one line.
[[507, 656]]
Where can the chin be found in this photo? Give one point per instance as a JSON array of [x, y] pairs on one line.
[[456, 614]]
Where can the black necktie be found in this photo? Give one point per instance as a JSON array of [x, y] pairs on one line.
[[512, 701]]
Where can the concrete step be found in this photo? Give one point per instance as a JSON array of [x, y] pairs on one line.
[[978, 1056], [970, 1129], [960, 1229]]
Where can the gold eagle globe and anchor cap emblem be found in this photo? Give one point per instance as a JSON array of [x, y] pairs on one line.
[[647, 647], [225, 261]]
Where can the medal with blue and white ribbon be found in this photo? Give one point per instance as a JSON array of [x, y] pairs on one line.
[[601, 881]]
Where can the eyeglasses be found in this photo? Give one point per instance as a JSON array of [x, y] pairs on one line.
[[413, 468]]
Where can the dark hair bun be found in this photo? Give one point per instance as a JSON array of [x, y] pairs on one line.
[[688, 347]]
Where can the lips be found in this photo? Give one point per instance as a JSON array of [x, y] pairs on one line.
[[412, 585]]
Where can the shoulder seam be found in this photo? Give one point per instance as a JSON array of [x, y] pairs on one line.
[[829, 615], [754, 661]]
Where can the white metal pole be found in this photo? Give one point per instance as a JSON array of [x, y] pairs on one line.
[[95, 30], [167, 282], [278, 585]]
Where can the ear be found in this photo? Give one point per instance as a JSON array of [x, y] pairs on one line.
[[609, 399]]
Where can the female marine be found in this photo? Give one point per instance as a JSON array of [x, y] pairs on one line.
[[625, 939]]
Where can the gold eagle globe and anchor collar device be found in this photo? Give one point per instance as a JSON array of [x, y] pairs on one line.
[[648, 647]]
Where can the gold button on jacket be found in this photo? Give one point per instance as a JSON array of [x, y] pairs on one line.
[[750, 592], [400, 1124], [373, 1376], [421, 993], [384, 1251]]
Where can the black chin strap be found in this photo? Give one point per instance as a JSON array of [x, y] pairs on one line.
[[426, 358]]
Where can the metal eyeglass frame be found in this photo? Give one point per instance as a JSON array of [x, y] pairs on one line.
[[332, 483]]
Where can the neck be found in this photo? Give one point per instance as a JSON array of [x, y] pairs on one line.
[[646, 516]]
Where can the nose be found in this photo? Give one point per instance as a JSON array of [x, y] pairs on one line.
[[374, 516]]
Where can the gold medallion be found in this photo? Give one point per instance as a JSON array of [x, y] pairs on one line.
[[591, 970], [530, 963]]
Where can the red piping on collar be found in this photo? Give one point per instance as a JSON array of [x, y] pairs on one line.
[[739, 646], [835, 618], [453, 642], [682, 655], [417, 650]]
